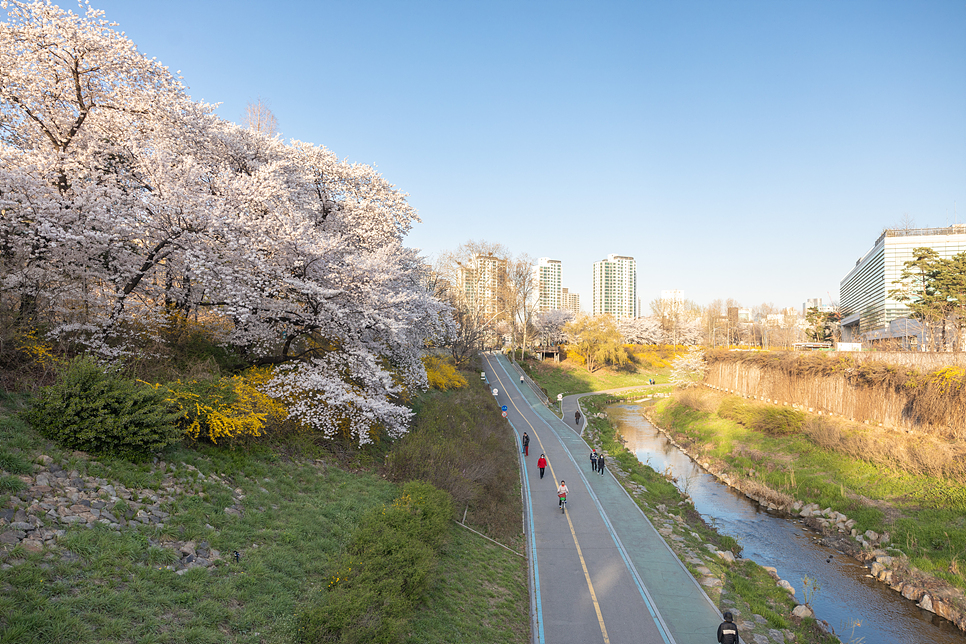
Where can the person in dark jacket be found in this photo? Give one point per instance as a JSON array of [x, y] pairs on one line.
[[727, 631], [600, 463], [593, 460], [542, 464], [526, 444], [577, 417]]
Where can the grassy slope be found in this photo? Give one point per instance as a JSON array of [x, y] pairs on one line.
[[925, 516], [569, 378], [101, 586]]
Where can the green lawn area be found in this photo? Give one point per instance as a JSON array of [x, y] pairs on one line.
[[100, 585], [567, 378]]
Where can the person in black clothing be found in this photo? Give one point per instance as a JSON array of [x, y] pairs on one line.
[[526, 444], [593, 460], [600, 463], [577, 417], [727, 631]]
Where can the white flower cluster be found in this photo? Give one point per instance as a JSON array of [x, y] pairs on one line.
[[121, 199]]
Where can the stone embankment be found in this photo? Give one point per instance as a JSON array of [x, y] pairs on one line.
[[55, 499], [888, 565]]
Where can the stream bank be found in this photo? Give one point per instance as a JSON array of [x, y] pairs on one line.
[[848, 595]]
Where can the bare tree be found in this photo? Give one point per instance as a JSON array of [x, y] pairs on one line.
[[259, 118]]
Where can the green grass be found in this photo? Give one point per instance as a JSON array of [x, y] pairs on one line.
[[925, 516], [480, 581], [568, 378], [105, 586]]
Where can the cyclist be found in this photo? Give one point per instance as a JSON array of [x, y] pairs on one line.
[[562, 493]]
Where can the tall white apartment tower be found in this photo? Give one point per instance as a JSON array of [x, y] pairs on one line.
[[547, 277], [615, 287]]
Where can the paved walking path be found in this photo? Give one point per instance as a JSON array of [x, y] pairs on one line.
[[599, 572]]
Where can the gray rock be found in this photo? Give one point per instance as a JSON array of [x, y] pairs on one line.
[[22, 525]]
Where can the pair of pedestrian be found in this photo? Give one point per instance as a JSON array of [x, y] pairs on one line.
[[526, 444], [597, 461]]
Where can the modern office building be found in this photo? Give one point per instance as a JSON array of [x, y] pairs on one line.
[[866, 308], [547, 277], [482, 282], [570, 301], [615, 287]]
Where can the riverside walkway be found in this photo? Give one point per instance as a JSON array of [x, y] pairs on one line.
[[599, 572]]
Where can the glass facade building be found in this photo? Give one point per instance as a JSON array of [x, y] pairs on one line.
[[864, 299], [615, 287]]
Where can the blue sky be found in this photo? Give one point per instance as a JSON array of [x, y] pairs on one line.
[[751, 150]]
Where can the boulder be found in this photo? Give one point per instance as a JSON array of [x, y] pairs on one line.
[[802, 611]]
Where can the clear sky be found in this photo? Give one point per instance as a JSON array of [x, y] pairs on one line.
[[751, 150]]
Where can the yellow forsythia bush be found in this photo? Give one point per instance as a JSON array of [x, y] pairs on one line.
[[227, 408], [442, 374]]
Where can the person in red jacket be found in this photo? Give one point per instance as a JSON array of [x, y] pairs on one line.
[[542, 464]]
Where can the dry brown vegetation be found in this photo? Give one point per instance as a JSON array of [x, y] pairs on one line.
[[862, 389], [914, 452]]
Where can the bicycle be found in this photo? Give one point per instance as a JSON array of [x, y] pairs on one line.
[[563, 502]]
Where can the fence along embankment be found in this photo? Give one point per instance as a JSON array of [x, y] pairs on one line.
[[916, 392]]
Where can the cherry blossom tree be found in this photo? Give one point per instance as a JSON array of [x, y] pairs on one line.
[[123, 202], [643, 330], [688, 369], [550, 325]]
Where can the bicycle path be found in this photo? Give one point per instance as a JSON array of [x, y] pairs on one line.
[[600, 572]]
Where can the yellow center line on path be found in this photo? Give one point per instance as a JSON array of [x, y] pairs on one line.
[[573, 533]]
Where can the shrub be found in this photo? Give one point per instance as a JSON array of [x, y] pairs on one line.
[[384, 572], [92, 409], [776, 421], [442, 374], [226, 408], [460, 443]]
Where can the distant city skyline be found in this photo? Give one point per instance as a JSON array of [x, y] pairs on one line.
[[737, 150]]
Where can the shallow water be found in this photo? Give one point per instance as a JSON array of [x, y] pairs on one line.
[[859, 608]]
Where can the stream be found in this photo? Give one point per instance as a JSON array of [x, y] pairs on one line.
[[859, 608]]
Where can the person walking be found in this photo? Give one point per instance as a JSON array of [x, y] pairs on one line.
[[577, 418], [593, 460], [727, 631], [542, 464], [600, 463], [526, 444], [561, 493]]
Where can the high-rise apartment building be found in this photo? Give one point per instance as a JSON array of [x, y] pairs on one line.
[[570, 301], [482, 282], [615, 287], [547, 277], [864, 300]]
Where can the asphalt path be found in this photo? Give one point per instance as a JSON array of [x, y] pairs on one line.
[[599, 572]]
